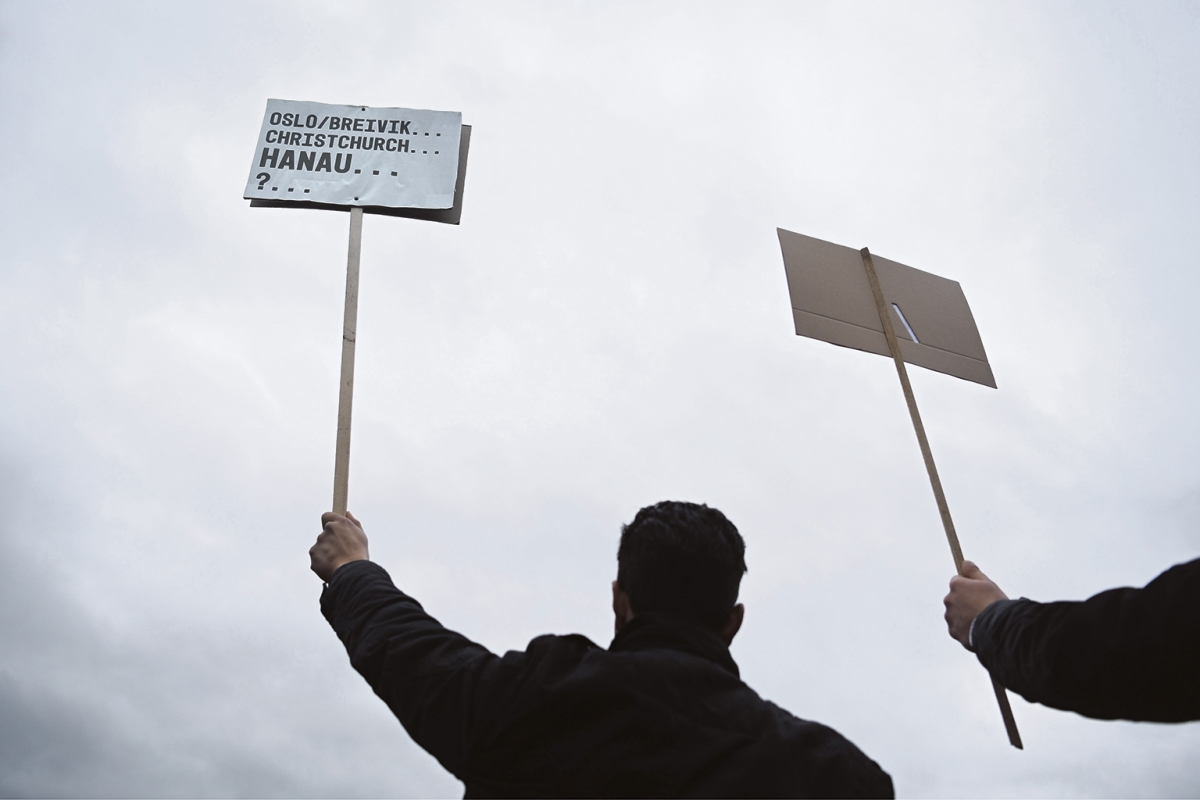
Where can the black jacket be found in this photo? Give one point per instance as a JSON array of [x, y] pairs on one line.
[[1123, 654], [662, 712]]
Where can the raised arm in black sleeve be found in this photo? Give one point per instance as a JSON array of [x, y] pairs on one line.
[[1123, 654], [430, 677]]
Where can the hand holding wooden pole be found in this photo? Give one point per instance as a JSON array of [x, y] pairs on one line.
[[341, 464], [889, 331]]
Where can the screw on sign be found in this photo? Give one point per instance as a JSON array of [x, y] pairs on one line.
[[360, 159]]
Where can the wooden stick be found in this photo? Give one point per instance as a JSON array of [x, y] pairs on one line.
[[341, 463], [889, 332]]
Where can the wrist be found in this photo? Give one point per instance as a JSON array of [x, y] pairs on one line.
[[338, 564]]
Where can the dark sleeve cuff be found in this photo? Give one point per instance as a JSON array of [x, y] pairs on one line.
[[347, 584], [985, 629], [350, 568]]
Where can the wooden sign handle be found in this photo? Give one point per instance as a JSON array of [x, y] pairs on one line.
[[889, 331], [341, 462]]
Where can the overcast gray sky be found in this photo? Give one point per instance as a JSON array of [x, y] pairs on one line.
[[608, 327]]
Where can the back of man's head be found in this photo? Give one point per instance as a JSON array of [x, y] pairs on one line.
[[682, 558]]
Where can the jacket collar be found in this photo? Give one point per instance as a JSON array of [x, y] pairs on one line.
[[669, 632]]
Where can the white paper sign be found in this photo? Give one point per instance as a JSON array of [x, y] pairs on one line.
[[356, 155]]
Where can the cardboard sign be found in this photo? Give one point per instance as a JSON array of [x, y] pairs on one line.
[[832, 301], [356, 156]]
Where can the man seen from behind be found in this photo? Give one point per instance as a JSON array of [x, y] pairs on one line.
[[661, 712]]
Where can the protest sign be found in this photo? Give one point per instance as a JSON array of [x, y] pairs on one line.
[[855, 299], [832, 301], [356, 155], [396, 161]]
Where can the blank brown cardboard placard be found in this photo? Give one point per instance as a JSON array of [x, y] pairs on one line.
[[832, 301]]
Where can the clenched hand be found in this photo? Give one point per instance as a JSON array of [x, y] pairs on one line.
[[970, 593], [341, 541]]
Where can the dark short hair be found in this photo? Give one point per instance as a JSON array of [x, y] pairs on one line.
[[682, 558]]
